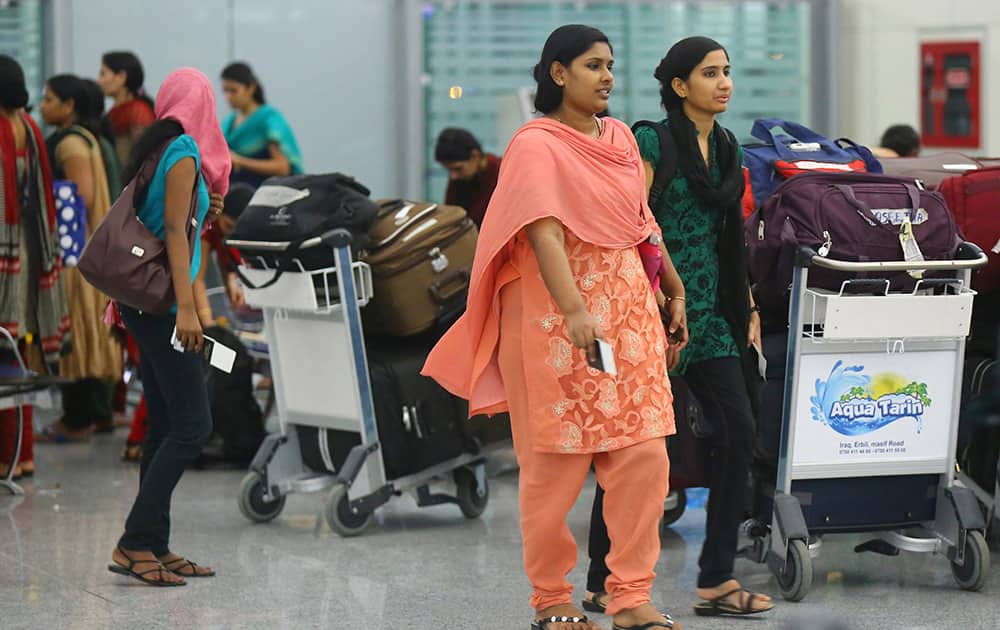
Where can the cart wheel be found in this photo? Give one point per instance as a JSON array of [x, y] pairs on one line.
[[339, 516], [972, 575], [253, 505], [470, 501], [796, 580], [675, 513]]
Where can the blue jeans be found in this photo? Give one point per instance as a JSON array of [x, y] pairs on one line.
[[180, 422]]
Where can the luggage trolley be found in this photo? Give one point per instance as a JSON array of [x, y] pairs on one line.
[[312, 322], [870, 422]]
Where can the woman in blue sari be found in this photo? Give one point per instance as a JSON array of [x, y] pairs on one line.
[[260, 140]]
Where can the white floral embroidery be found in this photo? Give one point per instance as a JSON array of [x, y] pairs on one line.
[[549, 322]]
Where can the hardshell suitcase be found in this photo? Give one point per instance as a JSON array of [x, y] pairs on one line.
[[855, 217], [974, 199], [421, 260], [419, 422], [931, 169]]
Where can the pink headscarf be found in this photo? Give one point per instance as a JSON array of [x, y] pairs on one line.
[[188, 97]]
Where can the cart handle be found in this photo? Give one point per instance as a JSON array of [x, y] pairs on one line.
[[967, 256], [336, 238]]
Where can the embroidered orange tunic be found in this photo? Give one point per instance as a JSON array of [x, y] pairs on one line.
[[574, 408]]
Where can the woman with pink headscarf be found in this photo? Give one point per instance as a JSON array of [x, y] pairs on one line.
[[194, 161]]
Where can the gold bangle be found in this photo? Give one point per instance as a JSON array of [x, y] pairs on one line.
[[202, 311], [679, 298]]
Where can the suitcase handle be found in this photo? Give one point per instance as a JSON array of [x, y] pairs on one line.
[[440, 290]]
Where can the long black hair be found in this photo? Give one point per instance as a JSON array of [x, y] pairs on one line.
[[13, 91], [154, 137], [565, 44], [96, 95], [69, 87], [242, 73], [135, 76]]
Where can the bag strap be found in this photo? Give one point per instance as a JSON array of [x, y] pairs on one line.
[[293, 248], [666, 167]]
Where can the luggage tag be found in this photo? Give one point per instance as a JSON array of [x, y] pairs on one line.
[[911, 249]]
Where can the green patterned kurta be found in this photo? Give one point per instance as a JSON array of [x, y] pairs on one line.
[[691, 233]]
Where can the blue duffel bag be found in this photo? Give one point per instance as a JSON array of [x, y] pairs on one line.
[[787, 148]]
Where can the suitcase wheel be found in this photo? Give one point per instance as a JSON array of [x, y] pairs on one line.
[[472, 498], [253, 505], [341, 517]]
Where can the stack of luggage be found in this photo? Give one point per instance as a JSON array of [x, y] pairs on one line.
[[420, 255], [841, 205]]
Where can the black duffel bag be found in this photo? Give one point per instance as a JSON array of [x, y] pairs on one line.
[[282, 225]]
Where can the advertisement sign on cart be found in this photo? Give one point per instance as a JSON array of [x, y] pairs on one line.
[[874, 408]]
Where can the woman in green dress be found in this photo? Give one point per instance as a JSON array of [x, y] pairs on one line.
[[700, 213]]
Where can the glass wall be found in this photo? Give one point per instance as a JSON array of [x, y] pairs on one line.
[[21, 36], [480, 53]]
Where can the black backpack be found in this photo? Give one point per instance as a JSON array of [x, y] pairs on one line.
[[666, 168], [287, 215], [237, 420]]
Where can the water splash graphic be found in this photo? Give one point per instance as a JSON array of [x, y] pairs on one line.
[[849, 404]]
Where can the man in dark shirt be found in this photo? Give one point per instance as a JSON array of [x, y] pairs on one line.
[[472, 174]]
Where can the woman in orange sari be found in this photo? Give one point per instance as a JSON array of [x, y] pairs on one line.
[[558, 266]]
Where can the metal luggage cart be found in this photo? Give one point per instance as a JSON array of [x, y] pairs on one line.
[[17, 392], [870, 422], [312, 322]]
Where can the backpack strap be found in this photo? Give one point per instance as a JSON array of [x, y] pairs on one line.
[[666, 167]]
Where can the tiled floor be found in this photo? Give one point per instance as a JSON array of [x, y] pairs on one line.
[[418, 568]]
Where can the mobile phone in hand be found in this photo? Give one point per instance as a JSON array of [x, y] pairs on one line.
[[214, 353], [676, 337], [604, 358]]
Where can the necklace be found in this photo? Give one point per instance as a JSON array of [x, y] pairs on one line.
[[597, 124]]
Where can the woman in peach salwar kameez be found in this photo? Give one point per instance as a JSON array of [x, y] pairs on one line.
[[558, 265]]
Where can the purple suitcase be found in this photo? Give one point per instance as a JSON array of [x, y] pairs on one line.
[[853, 217]]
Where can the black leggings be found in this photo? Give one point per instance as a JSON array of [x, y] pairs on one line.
[[719, 386], [180, 422]]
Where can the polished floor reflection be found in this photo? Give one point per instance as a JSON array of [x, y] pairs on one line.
[[418, 568]]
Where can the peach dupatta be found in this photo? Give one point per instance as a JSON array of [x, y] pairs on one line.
[[594, 187]]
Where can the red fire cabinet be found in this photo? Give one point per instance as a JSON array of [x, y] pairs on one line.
[[949, 94]]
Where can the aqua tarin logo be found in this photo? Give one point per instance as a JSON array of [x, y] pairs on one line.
[[853, 403]]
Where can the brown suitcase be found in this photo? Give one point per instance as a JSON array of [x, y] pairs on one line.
[[421, 259], [931, 169]]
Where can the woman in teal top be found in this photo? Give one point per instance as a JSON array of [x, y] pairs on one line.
[[194, 161], [700, 213], [260, 140], [152, 212]]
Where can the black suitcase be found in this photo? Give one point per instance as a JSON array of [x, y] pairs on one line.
[[237, 419], [979, 425], [420, 424]]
